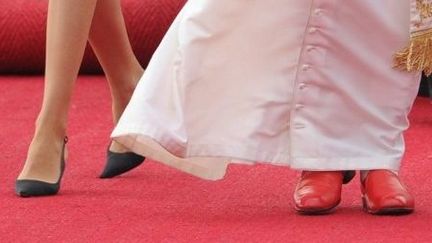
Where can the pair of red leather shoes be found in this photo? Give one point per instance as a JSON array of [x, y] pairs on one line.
[[318, 192]]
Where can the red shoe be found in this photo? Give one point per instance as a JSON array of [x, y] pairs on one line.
[[318, 192], [384, 193]]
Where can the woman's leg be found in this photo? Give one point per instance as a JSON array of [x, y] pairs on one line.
[[68, 28], [109, 39]]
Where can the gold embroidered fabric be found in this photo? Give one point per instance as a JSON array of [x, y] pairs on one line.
[[417, 56]]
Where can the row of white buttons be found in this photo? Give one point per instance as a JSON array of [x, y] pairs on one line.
[[305, 67]]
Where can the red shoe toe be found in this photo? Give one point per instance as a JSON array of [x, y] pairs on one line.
[[318, 192], [312, 203], [383, 193]]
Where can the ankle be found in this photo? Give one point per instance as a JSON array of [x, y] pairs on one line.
[[50, 125], [121, 100], [122, 96], [49, 131]]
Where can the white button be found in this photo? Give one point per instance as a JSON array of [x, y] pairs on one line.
[[310, 48], [302, 85], [312, 30], [299, 106], [318, 12], [299, 126], [306, 67]]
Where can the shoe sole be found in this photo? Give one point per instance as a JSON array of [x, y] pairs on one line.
[[387, 211], [316, 211]]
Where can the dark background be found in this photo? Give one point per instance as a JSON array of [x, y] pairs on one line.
[[426, 87]]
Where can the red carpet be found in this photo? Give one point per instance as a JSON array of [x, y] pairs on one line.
[[158, 204]]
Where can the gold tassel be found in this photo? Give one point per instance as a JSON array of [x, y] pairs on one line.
[[418, 55]]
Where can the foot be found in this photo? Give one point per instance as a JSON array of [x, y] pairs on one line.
[[318, 192], [43, 158], [118, 148], [119, 158], [121, 99], [36, 188], [118, 163], [384, 193]]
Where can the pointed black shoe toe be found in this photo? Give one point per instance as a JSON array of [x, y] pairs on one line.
[[119, 163], [35, 188]]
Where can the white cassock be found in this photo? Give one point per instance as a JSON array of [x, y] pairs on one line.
[[307, 84]]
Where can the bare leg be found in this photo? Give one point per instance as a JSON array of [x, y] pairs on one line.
[[68, 28], [109, 39]]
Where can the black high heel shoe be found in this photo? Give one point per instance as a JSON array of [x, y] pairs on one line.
[[33, 188], [119, 163]]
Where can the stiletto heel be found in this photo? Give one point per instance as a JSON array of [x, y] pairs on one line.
[[32, 188], [120, 163]]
